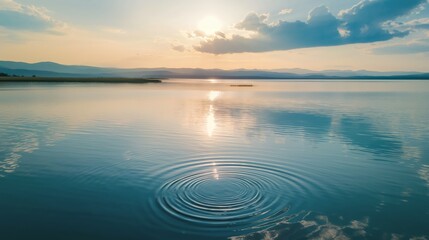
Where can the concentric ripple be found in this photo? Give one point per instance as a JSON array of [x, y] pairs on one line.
[[227, 194]]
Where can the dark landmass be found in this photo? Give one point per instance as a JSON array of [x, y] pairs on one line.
[[55, 70], [423, 76], [345, 73], [77, 80]]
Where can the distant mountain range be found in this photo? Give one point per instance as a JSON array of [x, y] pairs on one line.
[[51, 69]]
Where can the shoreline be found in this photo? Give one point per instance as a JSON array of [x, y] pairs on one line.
[[78, 80]]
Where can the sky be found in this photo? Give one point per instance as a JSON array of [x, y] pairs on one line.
[[380, 35]]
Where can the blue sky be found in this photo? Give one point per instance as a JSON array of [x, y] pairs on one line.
[[380, 35]]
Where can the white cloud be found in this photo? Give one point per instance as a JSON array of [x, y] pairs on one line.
[[286, 11], [17, 16]]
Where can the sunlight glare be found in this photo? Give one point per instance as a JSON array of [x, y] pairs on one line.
[[210, 25], [213, 95], [216, 174], [210, 121]]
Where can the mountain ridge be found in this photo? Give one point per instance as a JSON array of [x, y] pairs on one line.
[[52, 69]]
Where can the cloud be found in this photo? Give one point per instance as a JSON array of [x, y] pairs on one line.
[[179, 48], [286, 11], [365, 20], [196, 34], [422, 23], [414, 25], [363, 23], [253, 22], [419, 44], [20, 21], [15, 16], [220, 34], [320, 29]]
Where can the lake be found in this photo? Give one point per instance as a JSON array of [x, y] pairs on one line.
[[200, 159]]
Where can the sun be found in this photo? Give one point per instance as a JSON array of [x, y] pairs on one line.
[[210, 25]]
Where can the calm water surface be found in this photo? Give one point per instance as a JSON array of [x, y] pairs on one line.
[[203, 160]]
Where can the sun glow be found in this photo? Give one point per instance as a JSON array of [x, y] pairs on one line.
[[213, 95], [210, 25]]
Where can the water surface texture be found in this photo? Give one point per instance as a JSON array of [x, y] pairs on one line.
[[198, 159]]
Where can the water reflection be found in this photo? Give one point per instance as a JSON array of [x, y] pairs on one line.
[[312, 226], [360, 132], [24, 138], [220, 195], [17, 144], [215, 162], [354, 130], [211, 119], [215, 172], [213, 95], [313, 124], [424, 173]]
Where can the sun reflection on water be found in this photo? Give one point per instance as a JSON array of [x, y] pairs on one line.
[[211, 119], [213, 95], [215, 172]]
